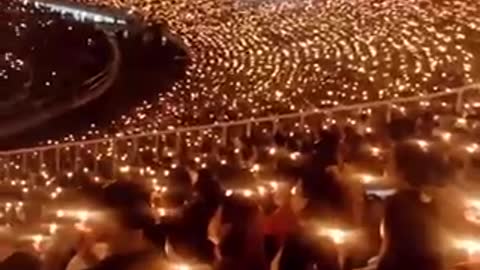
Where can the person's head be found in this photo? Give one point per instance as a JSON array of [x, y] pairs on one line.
[[326, 152], [419, 164], [303, 251], [283, 194], [179, 185], [352, 144], [401, 128], [322, 186], [127, 211], [240, 229], [21, 261], [207, 187]]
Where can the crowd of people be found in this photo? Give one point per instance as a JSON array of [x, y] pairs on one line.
[[362, 191], [46, 57], [257, 58], [387, 188]]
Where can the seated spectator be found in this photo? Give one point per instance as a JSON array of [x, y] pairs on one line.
[[241, 237], [21, 261], [128, 247], [412, 232], [305, 252], [283, 221]]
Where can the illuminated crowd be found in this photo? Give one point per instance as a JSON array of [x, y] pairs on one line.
[[390, 187], [257, 58], [341, 191]]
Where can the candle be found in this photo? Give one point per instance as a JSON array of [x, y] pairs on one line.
[[247, 193], [471, 246], [338, 236], [181, 267]]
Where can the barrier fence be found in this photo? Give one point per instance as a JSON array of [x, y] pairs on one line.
[[20, 159]]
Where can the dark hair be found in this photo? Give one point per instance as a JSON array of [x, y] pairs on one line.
[[302, 252], [21, 261], [352, 144], [180, 187], [244, 239], [326, 149], [129, 203], [401, 128], [208, 197], [419, 166], [326, 196], [207, 187]]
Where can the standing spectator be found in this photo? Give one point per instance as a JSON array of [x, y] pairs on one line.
[[241, 245], [412, 232]]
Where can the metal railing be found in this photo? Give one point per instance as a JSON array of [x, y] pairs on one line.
[[134, 139]]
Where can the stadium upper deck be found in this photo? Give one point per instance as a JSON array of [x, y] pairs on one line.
[[99, 14], [252, 59], [46, 60]]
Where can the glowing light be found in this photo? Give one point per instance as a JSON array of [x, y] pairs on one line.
[[125, 169], [470, 246], [338, 236], [162, 212], [294, 156], [37, 239], [60, 213], [52, 228], [181, 267], [262, 191], [423, 144], [473, 203], [446, 136], [472, 148], [247, 193], [83, 216], [367, 178], [375, 151], [274, 186], [255, 168], [461, 121]]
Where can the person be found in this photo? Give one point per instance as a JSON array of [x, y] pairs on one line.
[[372, 220], [21, 261], [241, 244], [126, 216], [281, 222], [128, 246], [413, 236], [330, 196], [189, 239], [319, 186], [305, 252]]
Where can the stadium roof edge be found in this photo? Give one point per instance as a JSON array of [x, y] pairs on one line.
[[104, 11]]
